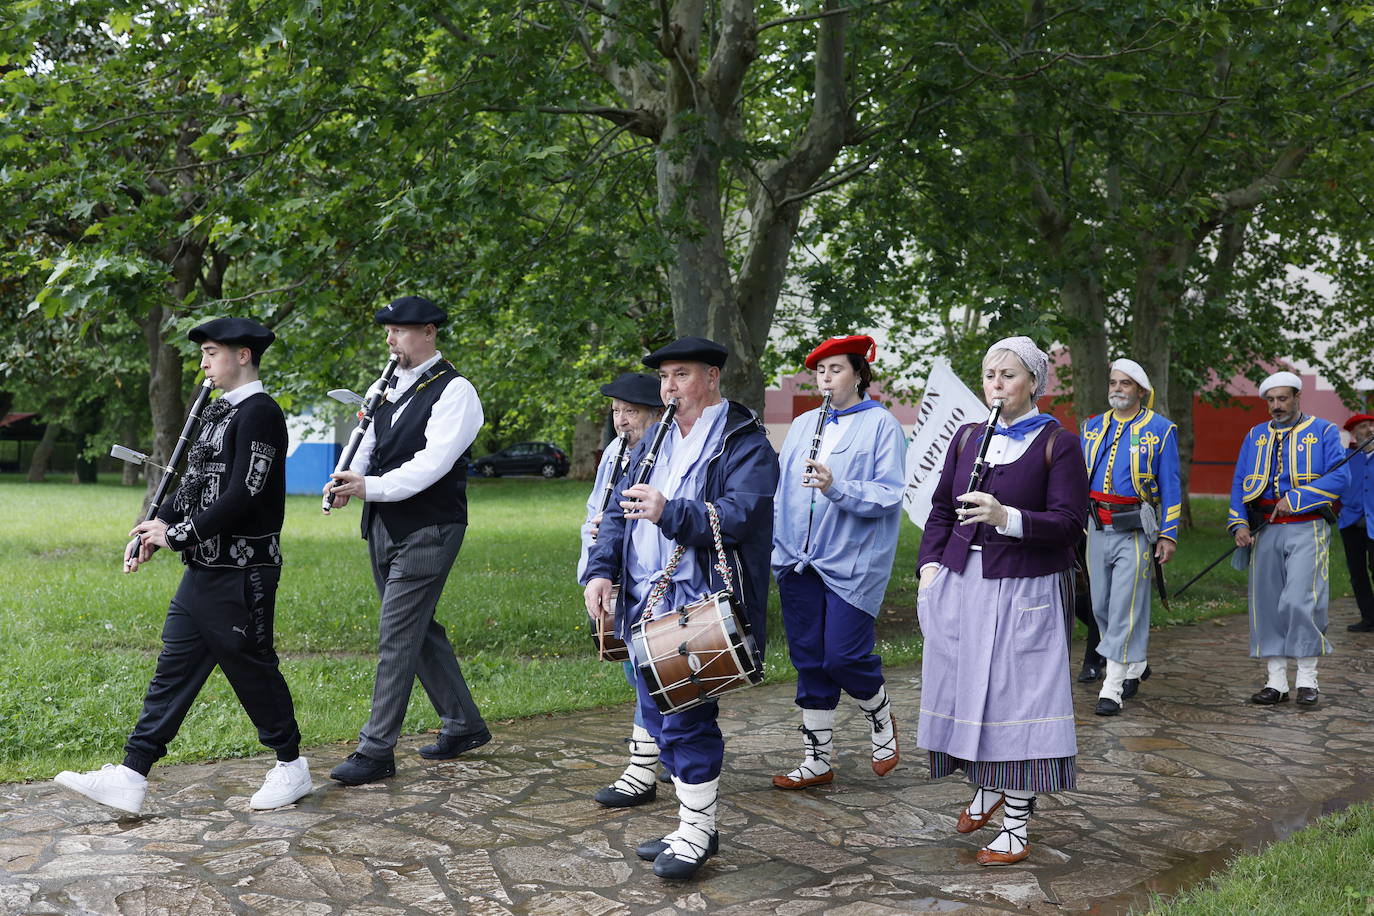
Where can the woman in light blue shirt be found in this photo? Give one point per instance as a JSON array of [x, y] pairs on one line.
[[834, 536]]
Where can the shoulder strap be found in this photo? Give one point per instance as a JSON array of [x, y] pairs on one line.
[[1049, 444], [963, 440]]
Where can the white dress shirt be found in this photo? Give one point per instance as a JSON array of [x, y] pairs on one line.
[[453, 425], [244, 392]]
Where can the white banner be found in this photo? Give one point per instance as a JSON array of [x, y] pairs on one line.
[[946, 405]]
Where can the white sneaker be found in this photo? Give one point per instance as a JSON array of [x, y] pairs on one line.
[[285, 783], [113, 785]]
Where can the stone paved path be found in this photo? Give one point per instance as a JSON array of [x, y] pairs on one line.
[[1186, 776]]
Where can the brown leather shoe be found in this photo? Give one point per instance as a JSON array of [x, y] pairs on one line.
[[968, 823], [991, 857], [883, 767], [1268, 697], [783, 781]]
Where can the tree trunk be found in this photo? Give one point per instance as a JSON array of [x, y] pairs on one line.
[[1085, 305], [42, 455], [84, 470], [586, 446], [165, 401], [129, 473]]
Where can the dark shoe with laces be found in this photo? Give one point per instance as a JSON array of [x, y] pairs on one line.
[[1131, 685], [1106, 706], [358, 769], [1307, 696], [1089, 673], [677, 868], [1268, 697], [450, 746]]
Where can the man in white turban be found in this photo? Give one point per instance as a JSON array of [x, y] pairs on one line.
[[1133, 481], [1288, 475]]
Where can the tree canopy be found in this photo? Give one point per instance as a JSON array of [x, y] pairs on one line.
[[578, 182]]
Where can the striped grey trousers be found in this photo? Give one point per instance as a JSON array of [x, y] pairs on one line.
[[410, 576]]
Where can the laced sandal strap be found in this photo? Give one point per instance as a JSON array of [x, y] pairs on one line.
[[1017, 808], [804, 771], [881, 709], [1012, 835]]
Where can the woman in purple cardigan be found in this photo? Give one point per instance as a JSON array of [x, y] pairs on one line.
[[995, 601]]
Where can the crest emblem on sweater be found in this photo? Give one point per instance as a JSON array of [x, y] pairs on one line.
[[259, 466], [240, 552]]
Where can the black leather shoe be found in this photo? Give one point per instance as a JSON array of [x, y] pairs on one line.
[[611, 797], [1131, 685], [677, 868], [1107, 707], [359, 769], [1364, 626], [1089, 673], [1268, 697], [450, 746], [1307, 696]]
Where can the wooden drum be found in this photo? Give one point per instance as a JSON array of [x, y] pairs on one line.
[[609, 647], [696, 653]]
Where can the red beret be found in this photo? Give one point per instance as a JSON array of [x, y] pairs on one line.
[[1358, 418], [861, 344]]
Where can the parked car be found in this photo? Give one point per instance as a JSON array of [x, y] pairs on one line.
[[542, 458]]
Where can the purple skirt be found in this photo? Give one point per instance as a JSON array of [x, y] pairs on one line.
[[995, 691]]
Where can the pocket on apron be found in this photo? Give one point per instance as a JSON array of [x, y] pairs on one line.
[[1036, 624]]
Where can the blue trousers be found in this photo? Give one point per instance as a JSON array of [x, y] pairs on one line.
[[830, 641], [690, 745], [630, 679]]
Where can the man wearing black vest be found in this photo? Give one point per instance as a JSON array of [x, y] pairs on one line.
[[411, 472]]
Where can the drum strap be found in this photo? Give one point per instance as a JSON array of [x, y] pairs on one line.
[[722, 565]]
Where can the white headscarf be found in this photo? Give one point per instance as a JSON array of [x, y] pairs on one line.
[[1036, 361], [1278, 380]]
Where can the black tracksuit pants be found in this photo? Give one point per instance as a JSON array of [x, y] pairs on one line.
[[217, 617]]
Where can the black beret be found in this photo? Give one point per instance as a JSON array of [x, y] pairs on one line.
[[243, 331], [688, 349], [412, 310], [635, 387]]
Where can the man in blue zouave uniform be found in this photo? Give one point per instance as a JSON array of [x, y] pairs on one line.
[[1286, 480], [1133, 480], [715, 451]]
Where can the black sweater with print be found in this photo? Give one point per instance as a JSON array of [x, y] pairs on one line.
[[227, 512]]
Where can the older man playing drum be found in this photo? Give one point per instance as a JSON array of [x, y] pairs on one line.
[[714, 452]]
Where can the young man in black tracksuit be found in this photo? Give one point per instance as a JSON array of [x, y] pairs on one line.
[[225, 521]]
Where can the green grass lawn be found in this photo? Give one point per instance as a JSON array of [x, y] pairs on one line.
[[81, 638], [1323, 870]]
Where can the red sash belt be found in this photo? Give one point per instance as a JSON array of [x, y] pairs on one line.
[[1104, 514], [1266, 506]]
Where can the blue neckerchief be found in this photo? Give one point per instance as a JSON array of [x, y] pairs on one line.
[[1021, 428], [863, 405]]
